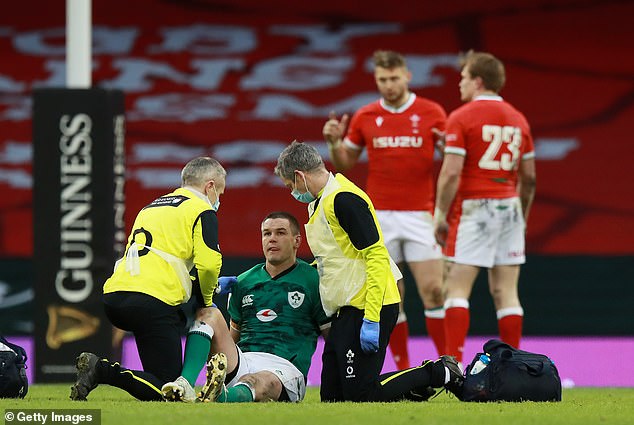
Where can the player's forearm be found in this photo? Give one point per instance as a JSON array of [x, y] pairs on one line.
[[234, 330], [446, 192], [448, 181], [527, 181], [526, 189], [339, 156]]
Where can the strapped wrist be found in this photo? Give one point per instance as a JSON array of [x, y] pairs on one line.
[[439, 215]]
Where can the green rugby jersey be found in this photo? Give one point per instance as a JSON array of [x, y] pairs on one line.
[[280, 315]]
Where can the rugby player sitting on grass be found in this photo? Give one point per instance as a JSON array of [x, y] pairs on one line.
[[276, 317]]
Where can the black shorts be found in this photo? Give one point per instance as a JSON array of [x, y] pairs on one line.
[[157, 329], [348, 374]]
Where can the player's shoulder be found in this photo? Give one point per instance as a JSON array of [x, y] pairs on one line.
[[303, 266], [466, 111], [466, 107], [429, 104], [515, 111], [248, 275], [309, 274]]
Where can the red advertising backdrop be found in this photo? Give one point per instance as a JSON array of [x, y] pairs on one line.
[[240, 79]]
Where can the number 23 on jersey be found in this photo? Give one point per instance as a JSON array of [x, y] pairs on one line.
[[506, 139]]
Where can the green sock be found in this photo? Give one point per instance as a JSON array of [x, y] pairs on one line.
[[241, 393], [196, 352]]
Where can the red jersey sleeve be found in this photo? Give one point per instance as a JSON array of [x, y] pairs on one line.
[[493, 137], [528, 148], [454, 136], [355, 133]]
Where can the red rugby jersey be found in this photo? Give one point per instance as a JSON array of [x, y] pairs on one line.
[[493, 137], [400, 147]]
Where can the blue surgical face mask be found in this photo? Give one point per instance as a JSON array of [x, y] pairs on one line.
[[216, 205], [306, 197]]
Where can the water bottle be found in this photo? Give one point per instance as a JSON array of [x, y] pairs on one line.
[[479, 366]]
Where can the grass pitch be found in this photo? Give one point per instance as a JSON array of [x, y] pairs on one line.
[[608, 406]]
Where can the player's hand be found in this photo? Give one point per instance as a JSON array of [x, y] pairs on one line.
[[441, 227], [441, 230], [370, 336], [439, 138], [334, 129], [225, 283]]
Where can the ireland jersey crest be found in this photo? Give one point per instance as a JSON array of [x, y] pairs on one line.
[[295, 299]]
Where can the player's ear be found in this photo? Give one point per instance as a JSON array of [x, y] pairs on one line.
[[298, 241], [479, 83]]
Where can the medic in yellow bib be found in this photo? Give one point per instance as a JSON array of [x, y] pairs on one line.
[[357, 284], [172, 235]]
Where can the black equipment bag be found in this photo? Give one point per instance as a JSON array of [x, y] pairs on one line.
[[13, 380], [512, 375]]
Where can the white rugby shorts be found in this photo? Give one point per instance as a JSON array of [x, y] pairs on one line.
[[488, 232], [292, 379], [409, 235]]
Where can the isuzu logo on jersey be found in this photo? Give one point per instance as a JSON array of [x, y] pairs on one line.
[[266, 315], [295, 299], [398, 142]]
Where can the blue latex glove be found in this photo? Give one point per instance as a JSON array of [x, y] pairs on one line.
[[370, 336], [225, 283]]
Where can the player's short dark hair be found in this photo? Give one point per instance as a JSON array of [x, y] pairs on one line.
[[486, 66], [388, 59], [287, 216]]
